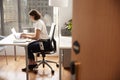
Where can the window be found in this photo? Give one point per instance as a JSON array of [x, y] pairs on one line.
[[40, 5], [15, 14], [10, 15]]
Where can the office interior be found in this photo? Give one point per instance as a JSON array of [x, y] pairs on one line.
[[88, 51], [14, 14]]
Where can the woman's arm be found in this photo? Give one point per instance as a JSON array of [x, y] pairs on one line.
[[30, 34], [35, 35]]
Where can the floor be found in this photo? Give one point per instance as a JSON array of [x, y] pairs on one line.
[[12, 71]]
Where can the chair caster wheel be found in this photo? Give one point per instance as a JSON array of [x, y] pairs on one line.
[[52, 72], [43, 65], [35, 71], [57, 65]]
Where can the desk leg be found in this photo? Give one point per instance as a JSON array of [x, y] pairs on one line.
[[61, 52], [62, 56], [15, 52], [60, 64], [26, 53]]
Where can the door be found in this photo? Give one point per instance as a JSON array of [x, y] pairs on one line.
[[96, 30]]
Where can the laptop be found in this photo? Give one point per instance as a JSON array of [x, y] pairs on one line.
[[17, 37]]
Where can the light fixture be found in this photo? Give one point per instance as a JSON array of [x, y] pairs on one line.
[[58, 3]]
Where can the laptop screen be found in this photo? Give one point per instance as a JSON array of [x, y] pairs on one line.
[[17, 35]]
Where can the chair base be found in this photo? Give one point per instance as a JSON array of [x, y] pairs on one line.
[[44, 62]]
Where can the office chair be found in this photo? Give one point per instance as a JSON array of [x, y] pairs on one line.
[[2, 48], [50, 49]]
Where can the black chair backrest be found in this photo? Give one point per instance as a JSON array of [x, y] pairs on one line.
[[51, 35], [48, 45]]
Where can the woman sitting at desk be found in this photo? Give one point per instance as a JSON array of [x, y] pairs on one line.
[[40, 33]]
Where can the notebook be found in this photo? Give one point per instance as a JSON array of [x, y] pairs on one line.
[[17, 37]]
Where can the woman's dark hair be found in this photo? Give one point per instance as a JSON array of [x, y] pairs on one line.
[[35, 13]]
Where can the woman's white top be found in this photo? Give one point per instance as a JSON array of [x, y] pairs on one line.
[[39, 24]]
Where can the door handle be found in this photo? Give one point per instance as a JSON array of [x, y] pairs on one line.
[[75, 68]]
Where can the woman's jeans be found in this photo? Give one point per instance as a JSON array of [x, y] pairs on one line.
[[33, 48]]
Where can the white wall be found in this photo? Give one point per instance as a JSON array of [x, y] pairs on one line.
[[65, 13]]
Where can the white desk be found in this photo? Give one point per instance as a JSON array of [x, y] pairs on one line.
[[64, 43], [8, 41]]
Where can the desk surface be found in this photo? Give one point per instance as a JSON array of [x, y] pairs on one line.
[[9, 40], [65, 42]]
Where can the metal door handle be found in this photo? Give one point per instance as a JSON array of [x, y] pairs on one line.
[[74, 67]]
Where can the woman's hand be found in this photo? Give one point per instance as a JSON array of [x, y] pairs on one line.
[[23, 35]]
